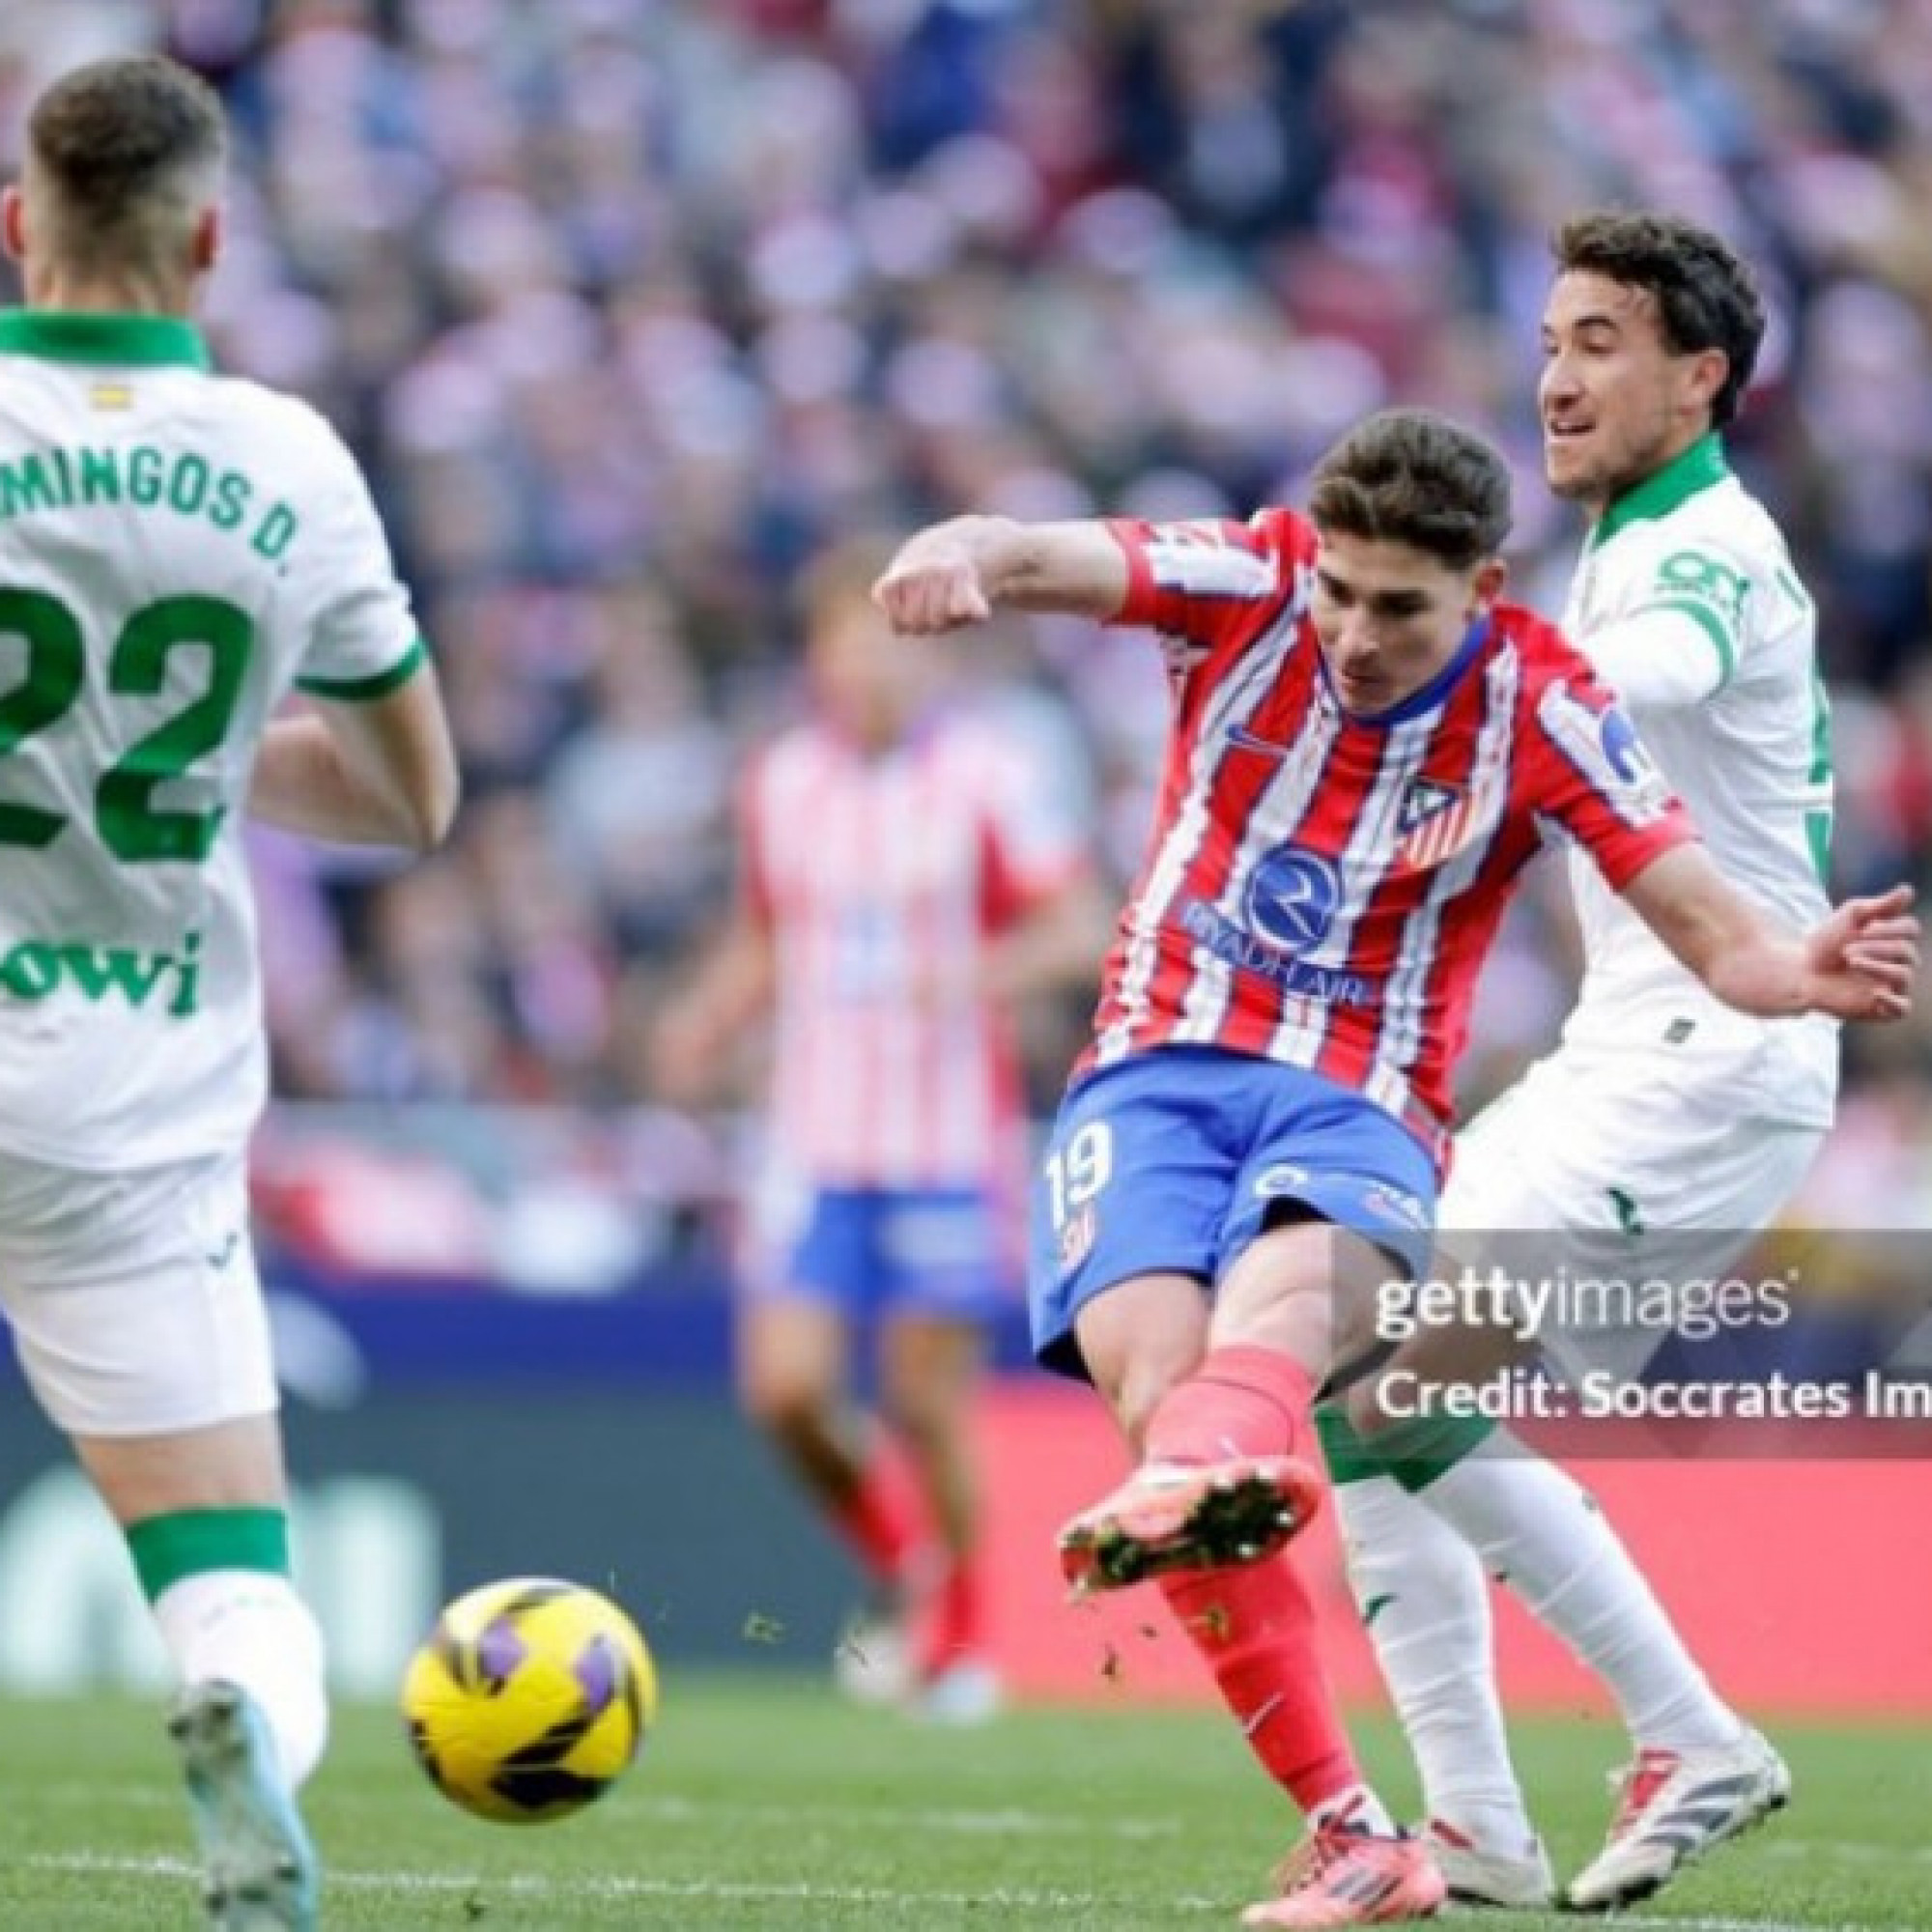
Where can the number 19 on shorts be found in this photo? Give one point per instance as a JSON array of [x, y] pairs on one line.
[[1075, 1174]]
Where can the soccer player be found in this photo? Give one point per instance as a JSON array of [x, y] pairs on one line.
[[906, 878], [1664, 1117], [177, 551], [1368, 745]]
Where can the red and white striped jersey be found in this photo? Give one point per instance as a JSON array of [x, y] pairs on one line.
[[880, 878], [1321, 888]]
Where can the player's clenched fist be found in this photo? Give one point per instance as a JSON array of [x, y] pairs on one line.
[[933, 584], [959, 573]]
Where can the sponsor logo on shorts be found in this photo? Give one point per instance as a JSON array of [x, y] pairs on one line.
[[1629, 1216], [1283, 1177], [1395, 1203], [1077, 1237]]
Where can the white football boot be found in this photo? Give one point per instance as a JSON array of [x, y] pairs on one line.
[[873, 1664], [259, 1867], [966, 1692], [1673, 1808], [1476, 1875]]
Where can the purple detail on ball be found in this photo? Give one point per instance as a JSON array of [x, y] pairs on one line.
[[500, 1650], [600, 1670]]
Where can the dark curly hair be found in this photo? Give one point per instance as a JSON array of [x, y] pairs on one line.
[[1413, 477], [1706, 296]]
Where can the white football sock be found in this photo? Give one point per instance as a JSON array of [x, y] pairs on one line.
[[250, 1628], [1423, 1595], [1540, 1532]]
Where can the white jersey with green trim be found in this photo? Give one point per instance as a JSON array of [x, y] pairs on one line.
[[177, 551], [1687, 602]]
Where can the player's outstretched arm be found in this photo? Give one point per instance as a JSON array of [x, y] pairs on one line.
[[959, 573], [691, 1044], [380, 772], [1859, 964]]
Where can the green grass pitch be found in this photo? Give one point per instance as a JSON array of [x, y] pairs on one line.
[[763, 1804]]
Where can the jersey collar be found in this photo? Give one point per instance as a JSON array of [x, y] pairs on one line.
[[1688, 472], [1425, 697], [120, 341]]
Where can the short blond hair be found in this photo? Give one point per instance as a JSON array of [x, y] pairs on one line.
[[842, 575], [124, 157]]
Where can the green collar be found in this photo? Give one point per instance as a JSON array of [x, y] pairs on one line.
[[120, 341], [1680, 479]]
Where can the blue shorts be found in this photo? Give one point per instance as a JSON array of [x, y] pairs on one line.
[[936, 1251], [1174, 1162]]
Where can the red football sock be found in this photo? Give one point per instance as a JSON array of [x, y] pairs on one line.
[[1241, 1400], [879, 1519], [1254, 1628], [957, 1617]]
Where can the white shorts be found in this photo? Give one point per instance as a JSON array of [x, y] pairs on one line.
[[134, 1297], [1641, 1163]]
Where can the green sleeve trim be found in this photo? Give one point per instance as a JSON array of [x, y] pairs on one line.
[[1712, 627], [1818, 837], [190, 1543], [1818, 820], [359, 690], [1821, 732]]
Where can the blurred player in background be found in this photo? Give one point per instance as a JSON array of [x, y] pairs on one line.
[[1367, 748], [907, 877], [177, 551], [1662, 1114]]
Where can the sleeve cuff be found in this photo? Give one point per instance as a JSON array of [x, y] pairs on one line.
[[359, 690], [1136, 605]]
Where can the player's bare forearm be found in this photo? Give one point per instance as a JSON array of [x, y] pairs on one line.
[[1859, 964], [959, 573], [1764, 976], [306, 780], [738, 985], [370, 772], [692, 1044]]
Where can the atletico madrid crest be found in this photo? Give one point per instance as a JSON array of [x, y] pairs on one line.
[[1436, 822]]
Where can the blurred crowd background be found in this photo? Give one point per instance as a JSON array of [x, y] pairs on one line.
[[629, 306]]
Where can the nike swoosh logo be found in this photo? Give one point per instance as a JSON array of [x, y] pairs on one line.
[[1253, 1723], [1373, 1608], [1239, 734], [224, 1253]]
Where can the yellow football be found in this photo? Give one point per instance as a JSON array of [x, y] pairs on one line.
[[529, 1699]]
